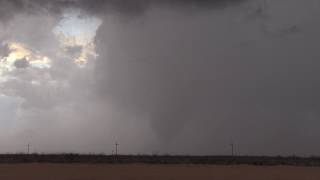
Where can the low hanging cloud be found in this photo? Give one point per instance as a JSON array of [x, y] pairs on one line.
[[21, 63]]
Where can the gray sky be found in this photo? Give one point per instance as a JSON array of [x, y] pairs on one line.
[[182, 77]]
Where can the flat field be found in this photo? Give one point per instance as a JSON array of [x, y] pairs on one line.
[[36, 171]]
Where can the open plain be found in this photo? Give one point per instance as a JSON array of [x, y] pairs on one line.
[[38, 171]]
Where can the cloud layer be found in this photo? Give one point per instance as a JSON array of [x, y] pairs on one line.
[[11, 7]]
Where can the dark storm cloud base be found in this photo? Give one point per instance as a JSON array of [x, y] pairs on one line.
[[8, 8]]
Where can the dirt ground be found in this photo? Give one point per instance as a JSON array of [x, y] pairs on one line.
[[154, 172]]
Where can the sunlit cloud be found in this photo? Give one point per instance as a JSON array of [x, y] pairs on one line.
[[18, 51], [20, 56]]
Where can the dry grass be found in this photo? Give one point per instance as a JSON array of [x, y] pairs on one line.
[[154, 172]]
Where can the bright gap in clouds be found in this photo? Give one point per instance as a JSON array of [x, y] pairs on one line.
[[76, 34]]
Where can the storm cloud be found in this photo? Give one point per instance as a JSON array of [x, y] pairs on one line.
[[166, 79]]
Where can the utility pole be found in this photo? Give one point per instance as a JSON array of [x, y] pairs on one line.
[[28, 148], [117, 148], [232, 149]]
